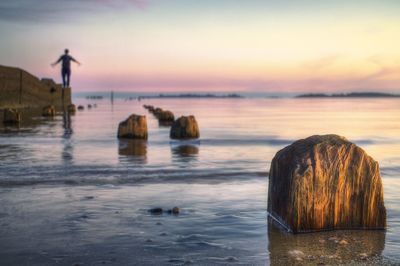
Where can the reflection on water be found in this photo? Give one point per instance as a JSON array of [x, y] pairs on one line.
[[185, 150], [184, 154], [332, 247], [133, 149], [164, 123], [68, 148], [30, 120]]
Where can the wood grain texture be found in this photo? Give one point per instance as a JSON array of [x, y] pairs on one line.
[[185, 127], [324, 183], [134, 127], [20, 89]]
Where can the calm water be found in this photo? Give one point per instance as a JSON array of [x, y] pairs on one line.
[[71, 193]]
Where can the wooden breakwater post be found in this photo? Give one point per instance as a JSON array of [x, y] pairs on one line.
[[185, 127], [134, 127], [325, 183]]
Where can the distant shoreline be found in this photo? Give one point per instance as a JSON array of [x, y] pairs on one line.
[[190, 95], [349, 95], [205, 95]]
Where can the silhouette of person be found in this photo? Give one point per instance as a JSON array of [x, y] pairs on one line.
[[66, 67]]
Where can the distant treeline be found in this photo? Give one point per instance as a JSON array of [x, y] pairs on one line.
[[191, 95], [348, 95], [94, 97]]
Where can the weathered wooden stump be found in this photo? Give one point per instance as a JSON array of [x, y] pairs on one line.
[[81, 108], [11, 116], [166, 116], [157, 111], [134, 127], [71, 109], [324, 183], [185, 127], [49, 111], [148, 107]]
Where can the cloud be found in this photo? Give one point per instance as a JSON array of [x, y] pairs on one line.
[[322, 62], [388, 68], [60, 10]]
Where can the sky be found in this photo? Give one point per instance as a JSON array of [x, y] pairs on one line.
[[286, 46]]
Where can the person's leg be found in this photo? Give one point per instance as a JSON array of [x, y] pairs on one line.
[[63, 77], [68, 76]]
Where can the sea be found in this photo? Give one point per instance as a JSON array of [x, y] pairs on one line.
[[72, 193]]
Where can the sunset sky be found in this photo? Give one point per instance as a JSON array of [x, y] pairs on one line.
[[193, 45]]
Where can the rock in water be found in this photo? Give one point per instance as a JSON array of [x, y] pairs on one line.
[[175, 210], [134, 127], [325, 183], [81, 107], [185, 127], [11, 116], [156, 211], [49, 111]]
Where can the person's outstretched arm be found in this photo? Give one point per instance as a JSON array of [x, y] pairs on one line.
[[76, 61], [58, 61]]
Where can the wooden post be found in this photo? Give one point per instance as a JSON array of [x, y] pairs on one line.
[[62, 98], [20, 87]]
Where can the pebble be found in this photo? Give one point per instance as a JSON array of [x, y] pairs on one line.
[[343, 242], [176, 261], [296, 254], [363, 256], [231, 259], [156, 211], [174, 210]]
